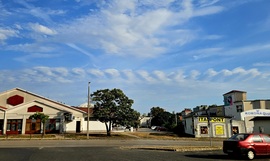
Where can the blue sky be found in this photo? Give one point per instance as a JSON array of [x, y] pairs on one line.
[[174, 54]]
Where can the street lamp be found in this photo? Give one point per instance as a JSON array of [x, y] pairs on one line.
[[88, 109]]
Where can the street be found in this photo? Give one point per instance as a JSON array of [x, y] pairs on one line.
[[99, 150], [107, 153]]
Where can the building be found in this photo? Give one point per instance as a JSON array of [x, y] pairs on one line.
[[237, 115], [239, 108], [207, 121], [16, 105], [145, 121]]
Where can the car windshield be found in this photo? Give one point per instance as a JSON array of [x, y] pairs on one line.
[[239, 137]]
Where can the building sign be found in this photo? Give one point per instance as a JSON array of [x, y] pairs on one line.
[[219, 130], [228, 100], [213, 119], [257, 112]]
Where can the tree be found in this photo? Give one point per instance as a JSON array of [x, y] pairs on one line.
[[154, 111], [160, 117], [113, 107], [42, 117]]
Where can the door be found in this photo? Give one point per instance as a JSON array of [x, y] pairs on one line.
[[14, 126], [78, 126], [259, 145], [266, 139], [1, 126]]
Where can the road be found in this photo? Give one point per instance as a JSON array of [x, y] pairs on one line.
[[102, 150], [107, 153], [102, 143]]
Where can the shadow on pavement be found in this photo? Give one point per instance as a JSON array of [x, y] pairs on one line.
[[214, 156], [224, 157]]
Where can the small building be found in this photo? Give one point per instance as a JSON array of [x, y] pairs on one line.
[[145, 121], [210, 121]]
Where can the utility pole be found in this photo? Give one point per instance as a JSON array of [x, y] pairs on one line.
[[88, 109]]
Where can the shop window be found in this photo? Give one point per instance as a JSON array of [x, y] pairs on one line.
[[14, 126], [204, 130], [235, 129], [32, 126]]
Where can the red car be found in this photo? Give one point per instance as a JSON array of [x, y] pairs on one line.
[[247, 144]]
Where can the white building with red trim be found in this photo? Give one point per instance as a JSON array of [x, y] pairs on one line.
[[16, 105]]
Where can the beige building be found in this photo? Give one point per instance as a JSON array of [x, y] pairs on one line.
[[208, 121], [237, 115], [16, 105], [239, 108]]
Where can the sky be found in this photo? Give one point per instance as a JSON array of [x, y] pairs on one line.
[[173, 54]]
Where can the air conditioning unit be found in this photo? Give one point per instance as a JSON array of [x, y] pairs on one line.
[[69, 117]]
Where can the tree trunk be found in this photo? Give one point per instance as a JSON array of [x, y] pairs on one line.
[[108, 128]]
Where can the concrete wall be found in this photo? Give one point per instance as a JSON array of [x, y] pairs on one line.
[[262, 126]]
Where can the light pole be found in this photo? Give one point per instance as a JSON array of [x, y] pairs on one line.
[[88, 109]]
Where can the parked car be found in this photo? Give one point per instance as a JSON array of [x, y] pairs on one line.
[[247, 144], [160, 128]]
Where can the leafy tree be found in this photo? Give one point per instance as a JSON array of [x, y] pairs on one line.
[[155, 111], [113, 107], [160, 117], [42, 117]]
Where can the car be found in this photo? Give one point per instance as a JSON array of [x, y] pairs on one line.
[[247, 144], [160, 128]]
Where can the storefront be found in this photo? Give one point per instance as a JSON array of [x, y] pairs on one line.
[[14, 126], [223, 127]]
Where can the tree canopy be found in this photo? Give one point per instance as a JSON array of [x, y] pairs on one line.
[[114, 107], [160, 117], [155, 111]]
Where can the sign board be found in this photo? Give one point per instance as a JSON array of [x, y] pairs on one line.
[[256, 112], [213, 119], [219, 130]]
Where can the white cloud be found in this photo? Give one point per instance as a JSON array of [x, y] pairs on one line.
[[194, 74], [112, 73], [42, 29], [208, 11], [211, 73], [161, 76], [6, 33], [262, 64], [96, 72], [205, 3], [79, 71], [146, 76], [130, 75], [31, 48], [136, 28], [226, 52]]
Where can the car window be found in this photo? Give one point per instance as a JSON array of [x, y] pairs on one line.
[[239, 137], [266, 138], [257, 139]]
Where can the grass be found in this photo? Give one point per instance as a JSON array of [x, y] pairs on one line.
[[114, 135]]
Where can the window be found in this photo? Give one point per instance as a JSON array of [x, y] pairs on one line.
[[239, 137], [235, 129], [257, 138], [266, 138], [239, 108], [204, 130]]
